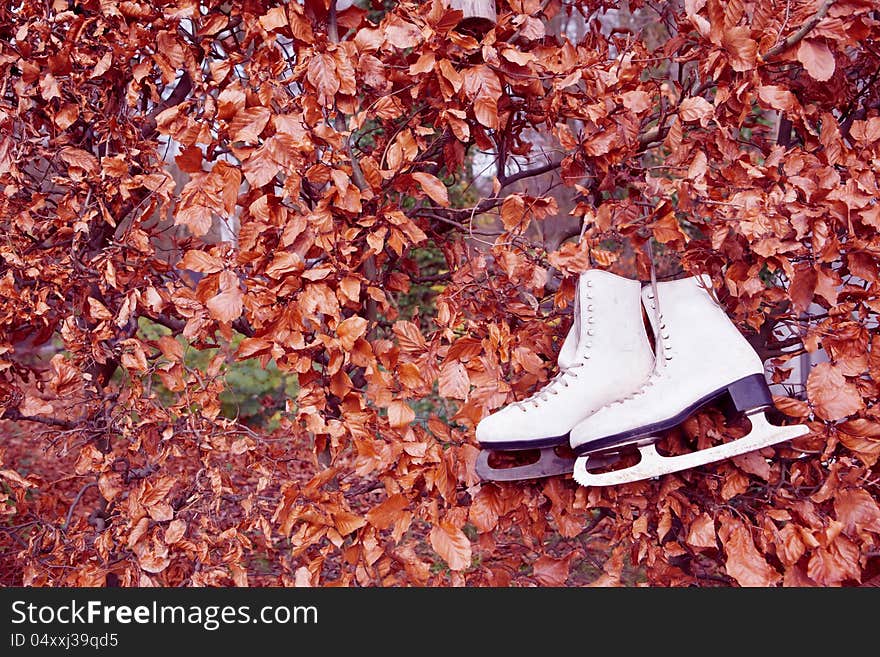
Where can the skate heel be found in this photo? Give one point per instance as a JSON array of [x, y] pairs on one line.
[[749, 395]]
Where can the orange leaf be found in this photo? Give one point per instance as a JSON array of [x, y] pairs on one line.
[[551, 572], [831, 395], [817, 59], [400, 414], [386, 514], [247, 124], [777, 97], [350, 330], [433, 187], [227, 305], [454, 382], [744, 562], [702, 532], [346, 522], [202, 262], [857, 510], [452, 545], [175, 531], [696, 109]]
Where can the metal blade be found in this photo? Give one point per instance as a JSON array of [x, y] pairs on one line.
[[652, 464]]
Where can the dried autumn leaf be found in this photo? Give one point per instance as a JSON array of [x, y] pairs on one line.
[[857, 510], [550, 571], [175, 531], [817, 59], [400, 414], [744, 562], [696, 109], [202, 262], [452, 545], [701, 533], [247, 124], [433, 187], [227, 305], [454, 382], [349, 330], [387, 513], [831, 395]]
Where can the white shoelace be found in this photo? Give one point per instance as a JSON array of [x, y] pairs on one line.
[[544, 393]]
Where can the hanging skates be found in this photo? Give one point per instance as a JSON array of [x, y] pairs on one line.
[[605, 356], [700, 357]]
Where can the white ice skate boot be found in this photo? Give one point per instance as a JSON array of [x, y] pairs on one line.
[[701, 357], [606, 355]]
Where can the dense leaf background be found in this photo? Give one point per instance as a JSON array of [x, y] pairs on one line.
[[264, 266]]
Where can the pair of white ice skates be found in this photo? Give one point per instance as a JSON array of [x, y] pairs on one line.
[[613, 390]]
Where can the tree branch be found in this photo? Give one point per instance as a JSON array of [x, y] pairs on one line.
[[15, 414], [798, 36]]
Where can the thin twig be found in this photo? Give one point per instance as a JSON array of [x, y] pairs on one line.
[[75, 502], [798, 36]]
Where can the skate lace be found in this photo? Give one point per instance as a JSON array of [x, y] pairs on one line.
[[550, 389], [661, 339]]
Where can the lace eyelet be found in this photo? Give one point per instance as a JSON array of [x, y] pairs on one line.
[[589, 331]]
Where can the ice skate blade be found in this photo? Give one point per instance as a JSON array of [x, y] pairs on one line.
[[652, 464], [549, 464]]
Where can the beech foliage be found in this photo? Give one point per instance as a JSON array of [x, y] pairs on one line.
[[384, 201]]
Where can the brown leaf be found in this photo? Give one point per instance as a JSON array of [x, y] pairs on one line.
[[777, 97], [433, 187], [484, 510], [550, 571], [802, 288], [701, 533], [857, 510], [347, 522], [454, 382], [696, 109], [386, 514], [741, 49], [77, 157], [817, 59], [249, 123], [228, 304], [349, 330], [201, 262], [836, 564], [831, 395], [789, 545], [175, 531], [452, 545], [744, 562], [400, 414]]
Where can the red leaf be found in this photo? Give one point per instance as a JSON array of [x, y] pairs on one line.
[[857, 510], [227, 305], [349, 330], [386, 514], [696, 109], [831, 395], [248, 124], [744, 562], [777, 97], [400, 414], [454, 381], [552, 572], [202, 262], [817, 58], [433, 187], [701, 533], [452, 545]]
